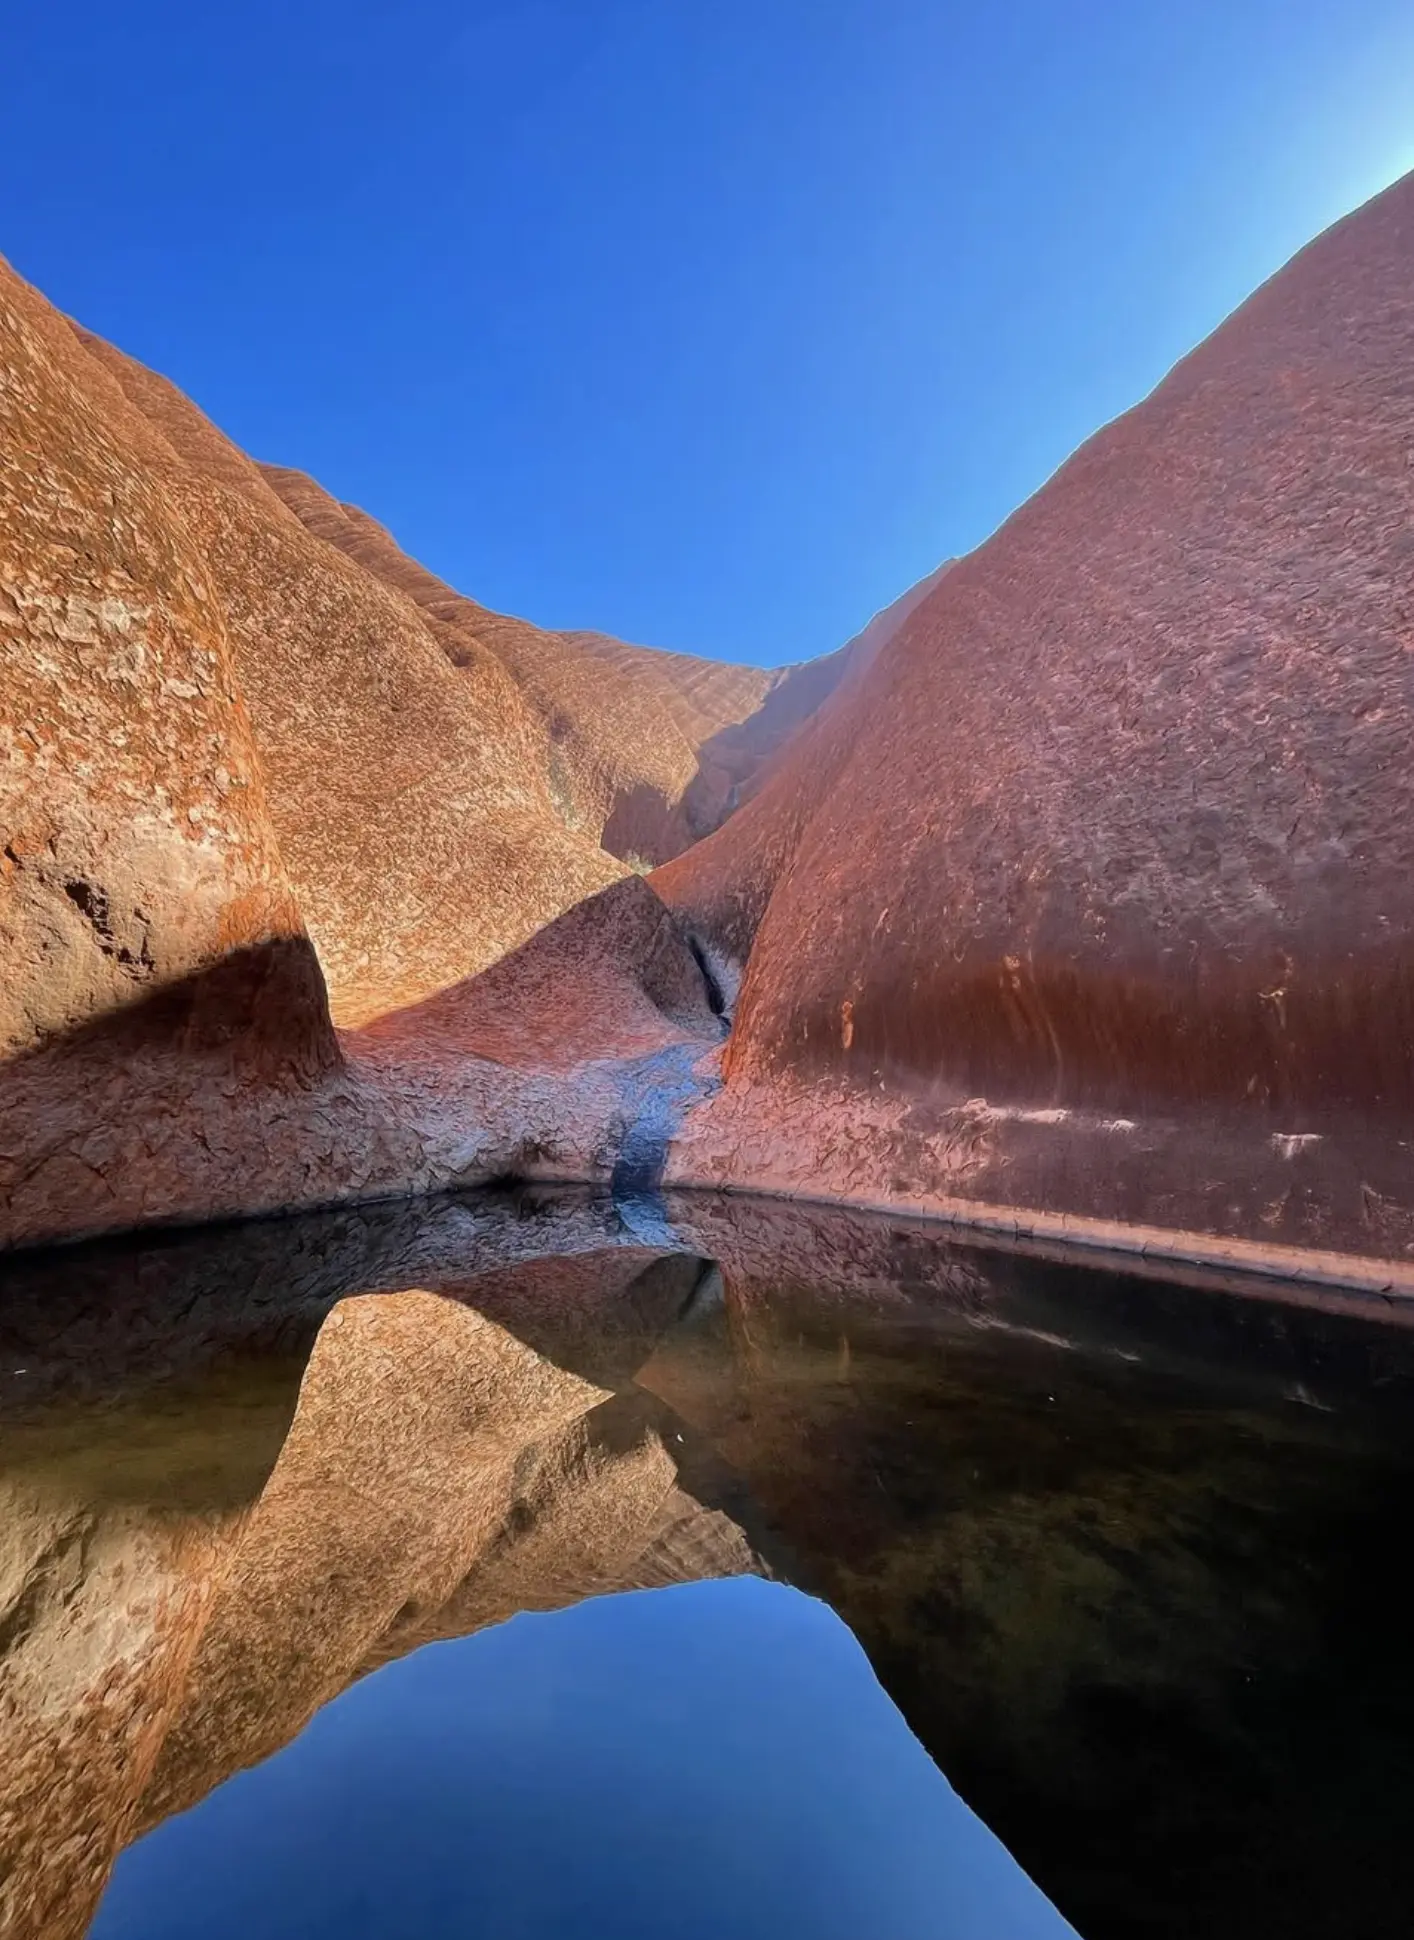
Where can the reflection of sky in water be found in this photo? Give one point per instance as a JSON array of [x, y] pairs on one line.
[[699, 1762]]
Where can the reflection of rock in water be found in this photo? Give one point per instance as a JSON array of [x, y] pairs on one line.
[[1128, 1585], [1148, 1620], [439, 1474], [114, 1532]]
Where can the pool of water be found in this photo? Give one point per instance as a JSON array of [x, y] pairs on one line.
[[542, 1564]]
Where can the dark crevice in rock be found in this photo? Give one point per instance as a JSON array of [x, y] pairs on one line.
[[92, 904], [716, 996]]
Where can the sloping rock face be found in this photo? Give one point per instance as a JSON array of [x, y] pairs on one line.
[[1092, 895], [228, 745], [738, 760], [152, 946], [407, 797], [138, 849], [618, 729]]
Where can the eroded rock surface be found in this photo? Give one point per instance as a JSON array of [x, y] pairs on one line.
[[1090, 895], [1074, 894], [246, 763]]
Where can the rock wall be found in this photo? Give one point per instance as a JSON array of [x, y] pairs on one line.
[[1091, 895], [242, 769]]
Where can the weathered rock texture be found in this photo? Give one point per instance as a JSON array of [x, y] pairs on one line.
[[1075, 893], [1092, 893], [252, 753], [618, 732]]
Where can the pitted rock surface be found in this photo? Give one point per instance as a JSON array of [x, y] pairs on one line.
[[1115, 830]]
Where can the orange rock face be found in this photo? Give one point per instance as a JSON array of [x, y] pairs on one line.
[[137, 850], [1074, 893], [615, 731], [246, 760], [1092, 894]]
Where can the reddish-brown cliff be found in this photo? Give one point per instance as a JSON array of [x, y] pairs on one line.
[[408, 798], [1076, 889], [620, 728], [227, 745], [1093, 892]]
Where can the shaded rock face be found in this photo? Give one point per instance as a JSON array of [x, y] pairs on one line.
[[1101, 866], [736, 762]]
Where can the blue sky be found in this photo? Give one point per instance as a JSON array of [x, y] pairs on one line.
[[713, 326], [709, 1760]]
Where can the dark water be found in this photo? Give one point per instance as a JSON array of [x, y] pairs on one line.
[[540, 1565]]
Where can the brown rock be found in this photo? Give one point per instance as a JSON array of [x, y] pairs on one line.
[[1092, 895], [137, 846], [219, 727], [403, 795], [620, 730]]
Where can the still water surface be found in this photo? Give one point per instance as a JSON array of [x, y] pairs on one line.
[[540, 1566]]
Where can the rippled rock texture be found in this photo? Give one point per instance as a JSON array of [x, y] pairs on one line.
[[263, 776], [1091, 894], [1073, 895]]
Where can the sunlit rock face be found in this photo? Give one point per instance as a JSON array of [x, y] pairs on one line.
[[253, 786], [624, 736], [1073, 893], [1091, 895], [152, 946]]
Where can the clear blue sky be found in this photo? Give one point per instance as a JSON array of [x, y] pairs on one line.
[[712, 325], [710, 1762]]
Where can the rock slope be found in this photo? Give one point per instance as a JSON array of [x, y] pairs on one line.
[[1074, 895], [1091, 895], [258, 780]]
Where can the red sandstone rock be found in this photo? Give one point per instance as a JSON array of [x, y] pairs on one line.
[[620, 730], [1093, 893], [1082, 894], [220, 728], [137, 847], [408, 800]]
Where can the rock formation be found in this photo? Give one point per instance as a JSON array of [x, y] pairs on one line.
[[249, 758], [1073, 894], [1091, 894]]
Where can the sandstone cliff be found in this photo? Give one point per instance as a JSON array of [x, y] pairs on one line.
[[1091, 894], [252, 754], [1074, 893]]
